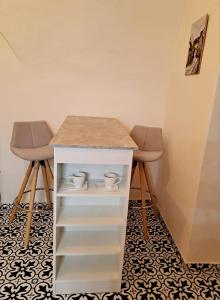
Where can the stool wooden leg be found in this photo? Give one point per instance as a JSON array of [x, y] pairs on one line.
[[46, 186], [143, 204], [150, 188], [31, 204], [22, 189], [133, 170], [49, 173]]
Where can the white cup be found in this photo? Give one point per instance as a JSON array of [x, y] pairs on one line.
[[78, 179], [111, 180]]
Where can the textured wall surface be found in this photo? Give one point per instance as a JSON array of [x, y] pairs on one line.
[[98, 58]]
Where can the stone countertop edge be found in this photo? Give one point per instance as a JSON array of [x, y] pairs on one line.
[[93, 147], [90, 132]]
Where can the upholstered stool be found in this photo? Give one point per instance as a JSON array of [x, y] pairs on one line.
[[150, 144], [30, 141]]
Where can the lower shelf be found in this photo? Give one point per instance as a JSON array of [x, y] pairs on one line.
[[86, 286], [80, 274]]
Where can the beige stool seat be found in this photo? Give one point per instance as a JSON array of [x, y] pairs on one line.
[[30, 141], [150, 144], [32, 154], [143, 156]]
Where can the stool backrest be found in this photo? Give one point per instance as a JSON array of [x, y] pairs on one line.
[[31, 134], [147, 138]]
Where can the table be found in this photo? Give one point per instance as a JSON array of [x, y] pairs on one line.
[[90, 224]]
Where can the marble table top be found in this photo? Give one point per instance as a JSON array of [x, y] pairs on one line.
[[93, 132]]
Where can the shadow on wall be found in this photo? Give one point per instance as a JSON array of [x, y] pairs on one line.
[[163, 175], [168, 207], [205, 237]]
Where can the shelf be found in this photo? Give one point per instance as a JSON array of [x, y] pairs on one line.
[[89, 215], [87, 273], [93, 190], [89, 224], [86, 242], [88, 267]]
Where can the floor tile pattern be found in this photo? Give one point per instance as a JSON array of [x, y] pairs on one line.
[[153, 269]]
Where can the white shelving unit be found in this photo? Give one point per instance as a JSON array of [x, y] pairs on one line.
[[89, 225]]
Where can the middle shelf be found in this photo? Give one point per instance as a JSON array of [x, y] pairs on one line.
[[94, 188], [71, 215]]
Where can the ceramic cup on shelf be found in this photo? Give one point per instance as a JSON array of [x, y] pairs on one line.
[[78, 179], [111, 180]]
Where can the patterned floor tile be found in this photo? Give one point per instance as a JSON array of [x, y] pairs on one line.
[[153, 269]]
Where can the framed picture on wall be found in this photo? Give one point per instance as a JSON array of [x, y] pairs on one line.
[[196, 46]]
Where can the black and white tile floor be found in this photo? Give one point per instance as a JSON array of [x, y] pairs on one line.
[[153, 269]]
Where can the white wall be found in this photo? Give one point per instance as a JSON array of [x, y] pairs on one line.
[[82, 57], [188, 117]]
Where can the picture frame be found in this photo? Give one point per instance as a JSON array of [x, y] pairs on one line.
[[196, 46]]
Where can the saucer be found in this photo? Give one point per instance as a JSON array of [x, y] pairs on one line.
[[70, 186]]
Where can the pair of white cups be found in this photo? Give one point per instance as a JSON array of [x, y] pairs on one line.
[[78, 179], [111, 180]]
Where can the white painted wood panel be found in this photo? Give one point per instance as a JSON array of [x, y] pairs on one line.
[[71, 200], [92, 156], [89, 215], [93, 189], [89, 225], [88, 267], [87, 242], [86, 286]]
